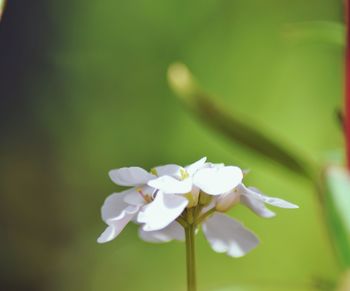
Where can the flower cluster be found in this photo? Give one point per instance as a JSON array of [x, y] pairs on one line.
[[171, 197]]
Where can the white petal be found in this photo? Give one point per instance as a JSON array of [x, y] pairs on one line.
[[116, 225], [134, 198], [170, 185], [114, 205], [191, 169], [132, 176], [227, 235], [254, 193], [257, 206], [173, 231], [215, 181], [162, 211], [169, 170]]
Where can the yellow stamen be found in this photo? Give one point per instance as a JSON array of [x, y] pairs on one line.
[[184, 174], [154, 171]]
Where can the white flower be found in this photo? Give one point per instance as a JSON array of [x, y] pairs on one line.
[[253, 199], [228, 235], [148, 206], [224, 234], [209, 178], [193, 195]]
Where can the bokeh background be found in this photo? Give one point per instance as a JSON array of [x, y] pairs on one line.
[[84, 90]]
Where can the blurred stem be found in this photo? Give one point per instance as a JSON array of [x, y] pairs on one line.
[[237, 129], [335, 190], [192, 218], [347, 82], [190, 256]]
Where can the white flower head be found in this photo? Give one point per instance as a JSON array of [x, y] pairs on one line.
[[170, 198]]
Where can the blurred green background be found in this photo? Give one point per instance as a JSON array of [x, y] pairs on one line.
[[84, 90]]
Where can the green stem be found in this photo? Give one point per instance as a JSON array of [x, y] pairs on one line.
[[190, 257]]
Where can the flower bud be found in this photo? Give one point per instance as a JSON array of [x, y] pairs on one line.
[[227, 201], [205, 199]]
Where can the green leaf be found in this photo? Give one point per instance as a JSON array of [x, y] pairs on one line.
[[337, 206], [211, 112]]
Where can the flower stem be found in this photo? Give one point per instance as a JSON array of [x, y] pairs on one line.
[[190, 257], [347, 82]]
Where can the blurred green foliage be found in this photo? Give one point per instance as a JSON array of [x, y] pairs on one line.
[[337, 187], [102, 101], [246, 134]]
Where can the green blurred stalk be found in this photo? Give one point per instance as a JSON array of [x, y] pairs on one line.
[[347, 83], [206, 107], [336, 189]]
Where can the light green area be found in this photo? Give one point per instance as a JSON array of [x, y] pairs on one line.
[[107, 104], [337, 192]]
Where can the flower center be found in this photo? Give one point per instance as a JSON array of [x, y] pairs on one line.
[[183, 174], [147, 197], [154, 171]]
